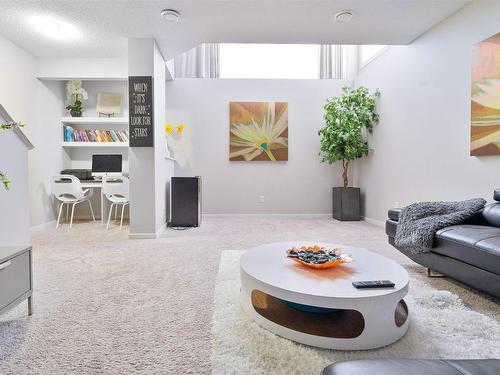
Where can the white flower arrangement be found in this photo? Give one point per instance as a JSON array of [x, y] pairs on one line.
[[75, 88], [76, 96]]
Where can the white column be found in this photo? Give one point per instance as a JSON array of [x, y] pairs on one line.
[[148, 175]]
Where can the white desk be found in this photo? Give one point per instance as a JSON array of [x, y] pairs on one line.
[[95, 185]]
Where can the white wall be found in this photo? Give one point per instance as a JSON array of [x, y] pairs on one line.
[[37, 105], [14, 203], [87, 69], [302, 185], [47, 158], [17, 86], [163, 167], [421, 146]]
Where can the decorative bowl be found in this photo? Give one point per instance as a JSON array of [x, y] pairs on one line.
[[317, 257]]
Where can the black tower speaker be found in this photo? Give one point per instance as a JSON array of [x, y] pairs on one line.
[[186, 201]]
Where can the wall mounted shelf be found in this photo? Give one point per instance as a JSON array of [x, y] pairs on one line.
[[95, 144], [94, 120]]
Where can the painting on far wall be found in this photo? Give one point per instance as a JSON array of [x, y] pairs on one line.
[[258, 131], [485, 98]]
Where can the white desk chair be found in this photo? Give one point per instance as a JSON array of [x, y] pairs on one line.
[[116, 190], [67, 189]]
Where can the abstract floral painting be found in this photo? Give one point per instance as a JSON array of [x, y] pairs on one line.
[[485, 98], [258, 131]]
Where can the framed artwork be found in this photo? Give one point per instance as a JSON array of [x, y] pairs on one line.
[[485, 98], [258, 131]]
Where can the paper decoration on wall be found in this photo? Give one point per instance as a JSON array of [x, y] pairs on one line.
[[258, 131], [169, 129]]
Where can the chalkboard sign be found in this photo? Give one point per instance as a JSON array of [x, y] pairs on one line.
[[141, 120]]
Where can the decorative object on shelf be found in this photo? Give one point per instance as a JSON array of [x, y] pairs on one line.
[[318, 257], [343, 138], [76, 96], [108, 104], [485, 97], [258, 131]]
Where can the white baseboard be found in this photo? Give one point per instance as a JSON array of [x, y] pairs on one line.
[[49, 224], [142, 236], [271, 216], [162, 229], [376, 222], [148, 236]]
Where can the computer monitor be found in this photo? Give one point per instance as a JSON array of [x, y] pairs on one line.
[[106, 165]]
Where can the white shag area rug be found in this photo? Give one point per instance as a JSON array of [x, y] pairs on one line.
[[442, 326]]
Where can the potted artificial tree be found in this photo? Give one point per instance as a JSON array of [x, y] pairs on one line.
[[342, 139]]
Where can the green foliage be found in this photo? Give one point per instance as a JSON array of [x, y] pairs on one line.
[[10, 125], [4, 180], [76, 106], [346, 117]]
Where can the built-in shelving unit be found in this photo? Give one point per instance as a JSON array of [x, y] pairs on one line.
[[78, 150], [95, 144], [108, 123]]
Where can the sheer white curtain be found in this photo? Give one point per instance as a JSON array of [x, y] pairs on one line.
[[331, 61], [199, 62]]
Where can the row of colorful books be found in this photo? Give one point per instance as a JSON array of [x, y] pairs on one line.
[[84, 135]]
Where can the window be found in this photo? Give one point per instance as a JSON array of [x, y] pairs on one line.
[[368, 52], [287, 61]]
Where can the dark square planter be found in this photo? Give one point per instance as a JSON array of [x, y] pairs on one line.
[[346, 203]]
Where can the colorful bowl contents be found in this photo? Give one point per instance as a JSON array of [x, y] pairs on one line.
[[318, 257]]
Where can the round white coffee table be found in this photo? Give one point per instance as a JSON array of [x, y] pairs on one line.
[[321, 307]]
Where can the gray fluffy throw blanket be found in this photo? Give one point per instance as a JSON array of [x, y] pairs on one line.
[[419, 222]]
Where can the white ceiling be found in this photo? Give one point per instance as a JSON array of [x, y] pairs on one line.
[[105, 25]]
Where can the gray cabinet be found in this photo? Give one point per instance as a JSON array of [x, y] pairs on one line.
[[16, 281]]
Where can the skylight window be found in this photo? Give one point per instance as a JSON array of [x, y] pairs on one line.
[[281, 61], [367, 53]]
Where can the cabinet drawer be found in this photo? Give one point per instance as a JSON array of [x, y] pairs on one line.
[[14, 278]]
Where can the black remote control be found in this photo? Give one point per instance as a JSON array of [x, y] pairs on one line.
[[373, 284]]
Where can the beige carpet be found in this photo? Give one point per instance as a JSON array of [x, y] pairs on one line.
[[108, 305]]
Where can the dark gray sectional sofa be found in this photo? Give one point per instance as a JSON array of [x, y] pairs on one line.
[[400, 366], [469, 252]]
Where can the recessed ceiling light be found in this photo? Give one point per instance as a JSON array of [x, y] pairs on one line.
[[344, 16], [170, 15], [53, 28]]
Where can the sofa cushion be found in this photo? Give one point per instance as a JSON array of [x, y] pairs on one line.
[[468, 234], [491, 245], [496, 195], [491, 215], [477, 245], [414, 366], [390, 228]]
